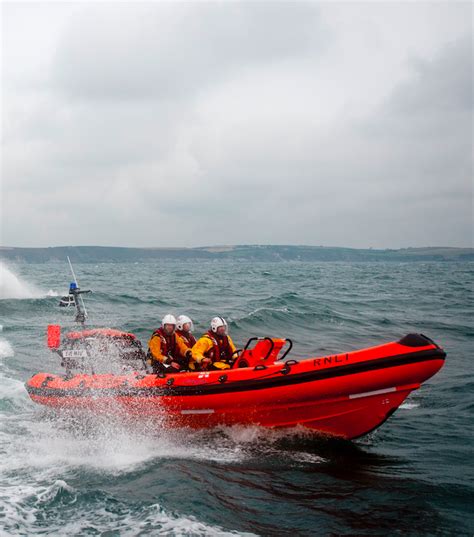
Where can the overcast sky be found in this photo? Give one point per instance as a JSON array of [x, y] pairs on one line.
[[187, 124]]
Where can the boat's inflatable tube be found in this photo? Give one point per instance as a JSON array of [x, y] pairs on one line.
[[346, 395]]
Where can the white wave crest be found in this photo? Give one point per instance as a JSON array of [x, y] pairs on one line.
[[23, 507], [409, 406], [256, 311], [6, 350], [13, 395]]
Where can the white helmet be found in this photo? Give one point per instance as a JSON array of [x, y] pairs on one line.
[[182, 320], [168, 319], [217, 322]]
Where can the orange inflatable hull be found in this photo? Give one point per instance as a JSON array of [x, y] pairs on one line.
[[347, 395]]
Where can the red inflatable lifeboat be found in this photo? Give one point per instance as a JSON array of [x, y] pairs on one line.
[[346, 395]]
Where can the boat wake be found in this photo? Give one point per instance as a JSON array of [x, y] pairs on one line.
[[43, 454]]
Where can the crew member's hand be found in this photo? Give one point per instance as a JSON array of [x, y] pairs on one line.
[[175, 365], [206, 363]]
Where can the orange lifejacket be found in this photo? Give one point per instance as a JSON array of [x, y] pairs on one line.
[[221, 350], [169, 346], [188, 338]]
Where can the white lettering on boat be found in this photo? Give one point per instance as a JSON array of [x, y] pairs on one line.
[[75, 353]]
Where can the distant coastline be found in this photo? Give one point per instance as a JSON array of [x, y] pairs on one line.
[[111, 254]]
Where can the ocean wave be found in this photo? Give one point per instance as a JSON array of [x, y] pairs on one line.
[[61, 510], [69, 475], [13, 396], [261, 310]]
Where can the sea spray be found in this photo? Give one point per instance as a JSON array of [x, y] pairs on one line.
[[13, 287]]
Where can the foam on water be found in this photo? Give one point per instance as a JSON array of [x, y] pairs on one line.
[[409, 406], [110, 448], [37, 449], [116, 448], [13, 395], [42, 453], [12, 391], [6, 350], [24, 506]]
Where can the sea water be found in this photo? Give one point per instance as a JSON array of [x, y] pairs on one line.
[[70, 476]]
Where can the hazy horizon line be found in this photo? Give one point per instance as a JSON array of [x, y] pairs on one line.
[[235, 246]]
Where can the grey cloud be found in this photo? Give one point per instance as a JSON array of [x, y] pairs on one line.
[[164, 51], [397, 173], [182, 124], [445, 83], [428, 121]]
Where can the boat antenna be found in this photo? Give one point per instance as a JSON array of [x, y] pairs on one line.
[[76, 292]]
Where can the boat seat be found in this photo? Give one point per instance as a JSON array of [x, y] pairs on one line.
[[277, 346], [265, 352]]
